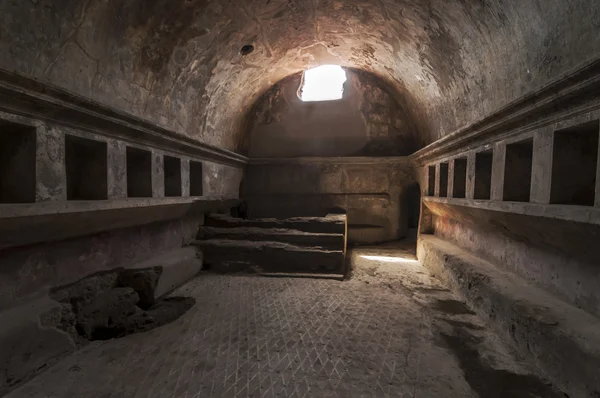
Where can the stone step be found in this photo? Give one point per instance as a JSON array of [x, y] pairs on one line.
[[330, 224], [224, 255], [562, 341], [337, 277], [293, 236]]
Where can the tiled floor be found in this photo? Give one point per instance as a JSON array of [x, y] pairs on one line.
[[391, 331]]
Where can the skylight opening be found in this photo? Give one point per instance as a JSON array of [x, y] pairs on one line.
[[323, 83]]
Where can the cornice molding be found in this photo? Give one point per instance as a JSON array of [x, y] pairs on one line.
[[27, 97], [575, 92], [332, 160]]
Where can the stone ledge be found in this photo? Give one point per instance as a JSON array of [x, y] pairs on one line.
[[332, 223], [545, 106], [300, 238], [581, 214], [24, 96], [8, 211], [262, 245], [333, 160], [261, 257], [335, 277], [37, 334], [561, 340], [177, 268], [62, 220]]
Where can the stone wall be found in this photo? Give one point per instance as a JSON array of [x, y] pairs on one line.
[[527, 200], [32, 324], [374, 192], [78, 199], [556, 255], [73, 183], [367, 121], [29, 273]]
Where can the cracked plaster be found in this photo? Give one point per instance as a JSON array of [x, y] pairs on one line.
[[177, 62]]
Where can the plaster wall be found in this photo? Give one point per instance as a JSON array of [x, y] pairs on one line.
[[557, 256], [56, 239], [367, 121], [71, 208], [517, 224], [375, 193], [28, 273], [177, 63]]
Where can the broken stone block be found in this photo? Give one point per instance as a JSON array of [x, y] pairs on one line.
[[269, 257], [144, 282], [332, 223], [83, 292], [292, 236], [112, 314]]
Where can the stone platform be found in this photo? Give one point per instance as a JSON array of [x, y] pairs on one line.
[[301, 246], [332, 224], [561, 340]]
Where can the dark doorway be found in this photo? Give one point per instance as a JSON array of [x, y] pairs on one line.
[[413, 204]]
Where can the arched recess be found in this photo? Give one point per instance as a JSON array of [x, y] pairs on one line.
[[351, 155], [371, 119]]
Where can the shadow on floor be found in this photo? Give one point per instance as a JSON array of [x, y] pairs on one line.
[[455, 328]]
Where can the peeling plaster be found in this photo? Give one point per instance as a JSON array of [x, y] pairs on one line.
[[177, 63]]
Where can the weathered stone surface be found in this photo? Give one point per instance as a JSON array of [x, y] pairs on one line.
[[33, 270], [552, 247], [111, 304], [176, 268], [112, 314], [367, 121], [335, 224], [367, 234], [58, 221], [144, 282], [85, 291], [563, 341], [275, 247], [266, 257], [373, 192], [398, 334], [454, 62], [300, 238], [440, 66], [116, 304]]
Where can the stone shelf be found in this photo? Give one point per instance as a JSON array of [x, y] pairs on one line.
[[333, 160], [63, 220], [579, 214]]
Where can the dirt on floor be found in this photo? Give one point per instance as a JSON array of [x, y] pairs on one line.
[[490, 367], [391, 330]]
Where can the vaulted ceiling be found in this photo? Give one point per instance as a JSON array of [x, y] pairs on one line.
[[178, 62]]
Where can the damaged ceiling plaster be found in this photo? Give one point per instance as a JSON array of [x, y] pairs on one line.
[[184, 64]]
